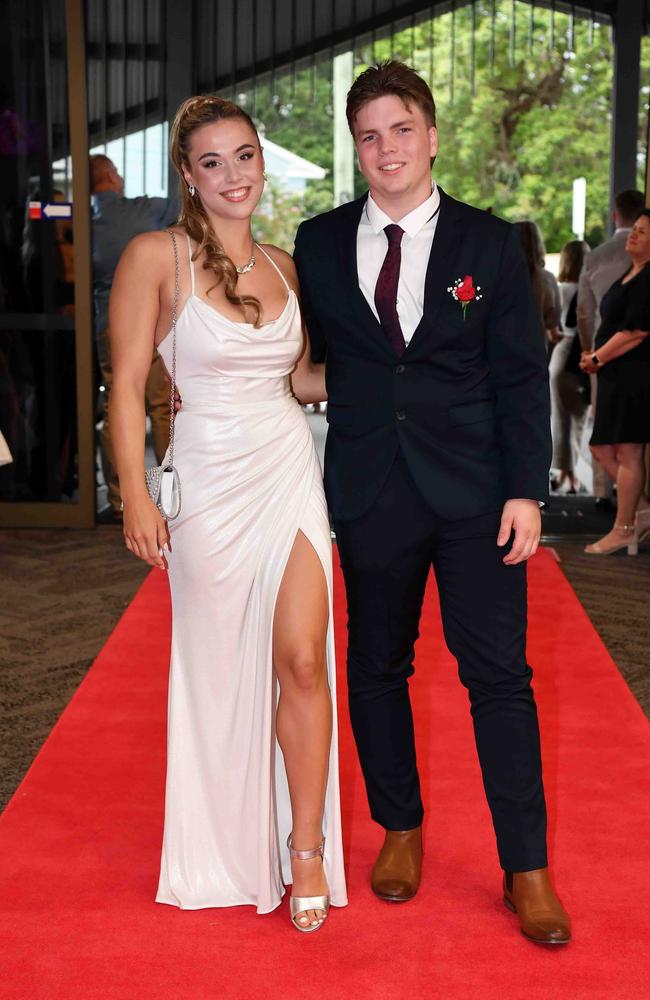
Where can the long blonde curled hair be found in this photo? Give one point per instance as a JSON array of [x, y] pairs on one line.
[[191, 115]]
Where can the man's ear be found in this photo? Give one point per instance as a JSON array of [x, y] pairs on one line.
[[433, 141]]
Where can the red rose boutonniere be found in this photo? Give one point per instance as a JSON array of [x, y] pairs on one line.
[[463, 291]]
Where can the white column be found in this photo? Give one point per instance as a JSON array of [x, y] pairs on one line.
[[342, 75]]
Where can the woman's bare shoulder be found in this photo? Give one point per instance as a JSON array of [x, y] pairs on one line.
[[283, 260], [150, 253]]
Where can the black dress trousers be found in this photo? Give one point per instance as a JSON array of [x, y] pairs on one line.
[[386, 555]]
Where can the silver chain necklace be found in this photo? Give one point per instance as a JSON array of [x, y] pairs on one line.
[[248, 266]]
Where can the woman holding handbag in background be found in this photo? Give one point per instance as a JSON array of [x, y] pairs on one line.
[[249, 554]]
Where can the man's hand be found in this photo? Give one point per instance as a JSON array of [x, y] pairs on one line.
[[522, 517], [178, 402]]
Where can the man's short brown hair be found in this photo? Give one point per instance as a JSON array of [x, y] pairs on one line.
[[628, 204], [387, 78]]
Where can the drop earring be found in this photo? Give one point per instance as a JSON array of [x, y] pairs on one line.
[[191, 189]]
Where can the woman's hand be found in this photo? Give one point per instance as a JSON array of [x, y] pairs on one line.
[[586, 364], [145, 531]]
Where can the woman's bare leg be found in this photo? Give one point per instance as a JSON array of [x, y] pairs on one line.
[[304, 717], [629, 486], [607, 456], [629, 481]]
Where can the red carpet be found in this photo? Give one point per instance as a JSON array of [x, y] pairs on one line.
[[80, 841]]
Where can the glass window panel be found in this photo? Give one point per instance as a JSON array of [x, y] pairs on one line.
[[38, 405]]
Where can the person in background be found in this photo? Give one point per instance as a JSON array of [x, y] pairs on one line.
[[116, 220], [621, 361], [568, 397], [47, 257], [48, 238], [5, 454], [602, 267], [545, 291]]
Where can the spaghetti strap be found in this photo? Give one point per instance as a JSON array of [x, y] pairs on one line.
[[268, 256], [189, 253]]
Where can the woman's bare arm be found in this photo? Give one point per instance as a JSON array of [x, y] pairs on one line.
[[620, 343], [307, 378], [617, 345], [133, 316]]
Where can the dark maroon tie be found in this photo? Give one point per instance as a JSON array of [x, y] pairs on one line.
[[386, 290]]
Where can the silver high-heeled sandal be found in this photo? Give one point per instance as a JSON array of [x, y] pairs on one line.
[[299, 904]]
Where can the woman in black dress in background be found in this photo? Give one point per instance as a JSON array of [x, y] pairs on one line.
[[621, 360]]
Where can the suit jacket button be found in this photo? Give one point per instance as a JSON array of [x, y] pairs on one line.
[[401, 415], [400, 369]]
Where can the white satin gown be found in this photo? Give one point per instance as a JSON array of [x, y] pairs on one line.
[[251, 481]]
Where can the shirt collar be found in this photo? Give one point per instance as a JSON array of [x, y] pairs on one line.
[[411, 223]]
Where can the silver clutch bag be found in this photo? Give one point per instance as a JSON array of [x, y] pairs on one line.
[[164, 487], [162, 481]]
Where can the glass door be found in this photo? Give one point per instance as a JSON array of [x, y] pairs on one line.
[[46, 376]]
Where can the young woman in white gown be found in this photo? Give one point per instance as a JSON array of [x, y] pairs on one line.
[[249, 557]]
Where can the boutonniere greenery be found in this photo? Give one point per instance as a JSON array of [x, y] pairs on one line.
[[464, 291]]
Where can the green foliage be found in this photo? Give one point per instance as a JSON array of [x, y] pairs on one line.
[[278, 216], [644, 114], [298, 116], [513, 135]]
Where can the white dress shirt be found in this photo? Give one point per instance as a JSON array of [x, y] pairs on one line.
[[419, 229]]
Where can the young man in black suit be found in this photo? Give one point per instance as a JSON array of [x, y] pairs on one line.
[[437, 455]]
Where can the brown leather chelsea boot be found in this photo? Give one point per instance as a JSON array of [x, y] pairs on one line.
[[542, 918], [397, 871]]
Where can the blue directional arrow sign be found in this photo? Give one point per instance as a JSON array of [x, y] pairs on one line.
[[57, 210]]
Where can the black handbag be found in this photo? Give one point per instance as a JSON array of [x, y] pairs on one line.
[[573, 359]]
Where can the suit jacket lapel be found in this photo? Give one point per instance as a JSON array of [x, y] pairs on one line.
[[444, 246], [347, 234]]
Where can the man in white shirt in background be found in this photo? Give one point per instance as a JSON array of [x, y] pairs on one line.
[[116, 220]]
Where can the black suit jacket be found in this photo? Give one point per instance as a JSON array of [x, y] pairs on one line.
[[467, 404]]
